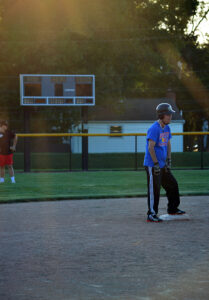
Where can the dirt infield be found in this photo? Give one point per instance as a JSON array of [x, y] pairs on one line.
[[103, 249]]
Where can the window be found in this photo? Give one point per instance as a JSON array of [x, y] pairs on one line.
[[84, 90], [116, 129], [58, 89], [32, 89]]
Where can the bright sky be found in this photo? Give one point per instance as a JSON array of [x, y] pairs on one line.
[[203, 29]]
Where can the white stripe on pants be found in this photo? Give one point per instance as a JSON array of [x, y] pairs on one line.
[[151, 190]]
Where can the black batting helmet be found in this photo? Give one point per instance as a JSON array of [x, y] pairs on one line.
[[164, 109]]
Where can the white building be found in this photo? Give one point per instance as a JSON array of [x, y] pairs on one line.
[[131, 116]]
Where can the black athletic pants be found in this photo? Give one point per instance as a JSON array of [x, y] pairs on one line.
[[169, 183]]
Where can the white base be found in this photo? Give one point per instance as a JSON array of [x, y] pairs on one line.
[[168, 217]]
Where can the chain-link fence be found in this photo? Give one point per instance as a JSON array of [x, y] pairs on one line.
[[71, 152]]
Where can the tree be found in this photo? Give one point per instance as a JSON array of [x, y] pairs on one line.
[[136, 48]]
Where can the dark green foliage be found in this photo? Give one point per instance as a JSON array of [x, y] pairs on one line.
[[132, 46]]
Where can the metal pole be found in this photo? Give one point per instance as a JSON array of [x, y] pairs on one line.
[[202, 149], [27, 158], [70, 156], [136, 158], [84, 138]]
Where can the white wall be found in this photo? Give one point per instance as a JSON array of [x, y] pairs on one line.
[[177, 141], [123, 144]]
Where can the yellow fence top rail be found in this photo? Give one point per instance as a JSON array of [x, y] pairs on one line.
[[101, 134]]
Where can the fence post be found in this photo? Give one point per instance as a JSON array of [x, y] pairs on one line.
[[70, 156], [27, 160], [202, 149], [136, 158], [84, 115], [85, 151]]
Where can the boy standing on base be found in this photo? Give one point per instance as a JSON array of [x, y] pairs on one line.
[[8, 142], [157, 164]]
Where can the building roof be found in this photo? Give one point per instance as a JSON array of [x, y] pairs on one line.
[[132, 110]]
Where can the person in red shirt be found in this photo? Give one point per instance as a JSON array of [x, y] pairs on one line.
[[8, 142]]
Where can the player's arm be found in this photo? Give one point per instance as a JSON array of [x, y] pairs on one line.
[[151, 146], [169, 150], [168, 159], [13, 148], [152, 150]]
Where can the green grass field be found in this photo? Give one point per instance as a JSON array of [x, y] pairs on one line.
[[82, 185]]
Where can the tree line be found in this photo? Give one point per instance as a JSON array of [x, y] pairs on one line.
[[135, 48]]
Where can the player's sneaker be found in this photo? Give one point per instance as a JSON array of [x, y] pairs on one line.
[[153, 218], [177, 212]]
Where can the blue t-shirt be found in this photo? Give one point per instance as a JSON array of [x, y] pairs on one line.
[[161, 136]]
